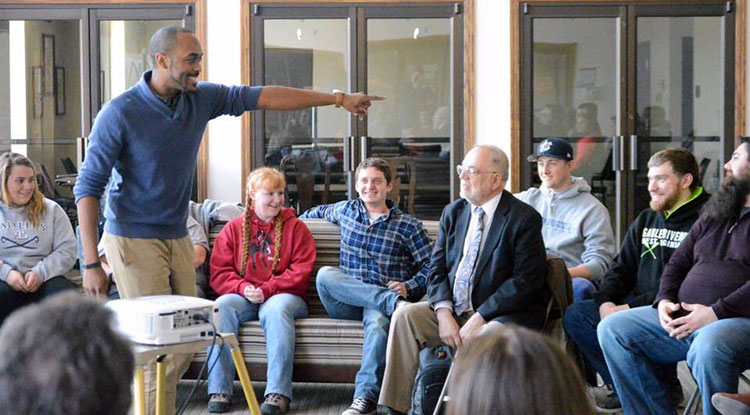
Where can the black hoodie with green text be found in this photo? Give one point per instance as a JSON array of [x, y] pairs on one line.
[[648, 245]]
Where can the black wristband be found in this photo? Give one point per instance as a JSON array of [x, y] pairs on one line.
[[93, 265]]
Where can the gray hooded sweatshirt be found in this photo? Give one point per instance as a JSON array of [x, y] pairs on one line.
[[48, 249], [576, 226]]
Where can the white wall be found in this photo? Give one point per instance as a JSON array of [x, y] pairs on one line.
[[223, 65], [492, 73]]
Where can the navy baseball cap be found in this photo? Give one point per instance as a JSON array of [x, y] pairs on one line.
[[555, 148]]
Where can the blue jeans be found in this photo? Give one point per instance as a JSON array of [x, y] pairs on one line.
[[348, 298], [276, 315], [580, 322], [634, 344], [583, 289]]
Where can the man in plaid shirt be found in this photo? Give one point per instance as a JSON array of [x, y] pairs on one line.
[[385, 258]]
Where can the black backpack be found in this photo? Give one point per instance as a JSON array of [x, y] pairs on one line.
[[434, 365]]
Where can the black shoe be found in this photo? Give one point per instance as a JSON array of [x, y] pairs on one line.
[[219, 403], [361, 406], [677, 396], [605, 399]]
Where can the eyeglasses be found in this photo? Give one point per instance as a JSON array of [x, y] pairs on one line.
[[471, 170]]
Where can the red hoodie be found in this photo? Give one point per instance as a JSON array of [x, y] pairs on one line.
[[292, 271]]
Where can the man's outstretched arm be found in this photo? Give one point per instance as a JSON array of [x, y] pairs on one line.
[[281, 98]]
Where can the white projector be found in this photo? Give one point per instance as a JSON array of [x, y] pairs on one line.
[[165, 319]]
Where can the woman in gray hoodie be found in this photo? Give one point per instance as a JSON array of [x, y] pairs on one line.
[[37, 244]]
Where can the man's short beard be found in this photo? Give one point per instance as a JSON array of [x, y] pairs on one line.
[[662, 207], [726, 204]]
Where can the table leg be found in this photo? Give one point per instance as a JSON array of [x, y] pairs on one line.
[[247, 386], [140, 391], [161, 375]]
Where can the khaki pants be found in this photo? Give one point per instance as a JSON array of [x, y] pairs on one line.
[[154, 267], [413, 327]]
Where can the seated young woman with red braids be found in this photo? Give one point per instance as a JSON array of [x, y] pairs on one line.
[[260, 265]]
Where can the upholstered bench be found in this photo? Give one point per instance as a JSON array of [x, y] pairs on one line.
[[327, 350]]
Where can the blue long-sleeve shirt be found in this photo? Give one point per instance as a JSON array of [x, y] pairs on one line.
[[150, 152], [394, 247]]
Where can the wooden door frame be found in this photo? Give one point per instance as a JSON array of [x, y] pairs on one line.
[[740, 66], [468, 62]]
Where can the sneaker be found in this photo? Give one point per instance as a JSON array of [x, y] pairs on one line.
[[219, 403], [729, 404], [275, 404], [605, 399], [361, 406]]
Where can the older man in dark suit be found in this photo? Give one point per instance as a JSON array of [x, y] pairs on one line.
[[488, 267]]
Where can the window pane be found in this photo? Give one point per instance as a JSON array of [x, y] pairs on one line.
[[40, 95], [575, 95], [680, 94], [308, 144], [124, 53], [409, 62]]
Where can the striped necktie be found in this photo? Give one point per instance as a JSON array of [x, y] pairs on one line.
[[465, 274]]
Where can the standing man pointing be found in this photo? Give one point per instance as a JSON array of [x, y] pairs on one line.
[[147, 139]]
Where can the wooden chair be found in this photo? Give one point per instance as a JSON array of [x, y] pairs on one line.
[[302, 168], [407, 169]]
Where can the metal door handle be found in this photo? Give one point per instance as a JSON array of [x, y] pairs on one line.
[[634, 152], [363, 147], [617, 161], [349, 153]]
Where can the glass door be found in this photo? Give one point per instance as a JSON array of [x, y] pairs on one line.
[[307, 48], [410, 54], [623, 82], [679, 96], [41, 93], [575, 81], [409, 59], [119, 44]]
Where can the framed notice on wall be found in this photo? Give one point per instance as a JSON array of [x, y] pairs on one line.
[[48, 63], [37, 91], [59, 90]]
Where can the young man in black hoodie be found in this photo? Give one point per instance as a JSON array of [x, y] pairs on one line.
[[633, 277], [701, 312]]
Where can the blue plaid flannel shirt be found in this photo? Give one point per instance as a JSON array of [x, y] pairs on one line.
[[395, 247]]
